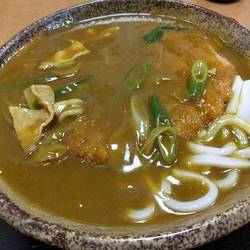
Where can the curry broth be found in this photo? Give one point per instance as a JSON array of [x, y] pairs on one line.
[[84, 192]]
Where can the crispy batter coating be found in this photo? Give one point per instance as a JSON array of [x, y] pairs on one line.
[[87, 142], [190, 117], [186, 119]]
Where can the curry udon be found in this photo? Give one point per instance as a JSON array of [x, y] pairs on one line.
[[125, 122]]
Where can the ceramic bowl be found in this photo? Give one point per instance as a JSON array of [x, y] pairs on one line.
[[184, 233]]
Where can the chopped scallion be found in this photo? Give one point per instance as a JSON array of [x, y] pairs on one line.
[[197, 81], [42, 79], [137, 75], [160, 116], [70, 87], [166, 141], [155, 34]]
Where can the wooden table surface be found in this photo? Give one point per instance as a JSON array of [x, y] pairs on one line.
[[16, 14]]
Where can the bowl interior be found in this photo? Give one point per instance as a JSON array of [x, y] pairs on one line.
[[221, 219]]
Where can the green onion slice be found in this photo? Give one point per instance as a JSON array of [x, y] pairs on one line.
[[197, 81], [42, 79], [70, 87], [160, 116], [155, 34], [140, 117], [167, 146], [166, 141], [137, 75], [149, 143], [25, 83]]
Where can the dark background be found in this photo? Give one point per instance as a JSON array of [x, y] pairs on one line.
[[10, 239]]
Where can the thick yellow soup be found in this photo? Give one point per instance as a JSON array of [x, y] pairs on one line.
[[125, 122]]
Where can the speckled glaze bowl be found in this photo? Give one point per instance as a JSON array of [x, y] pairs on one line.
[[181, 234]]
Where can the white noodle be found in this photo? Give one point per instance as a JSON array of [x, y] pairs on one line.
[[166, 187], [243, 106], [227, 149], [225, 132], [222, 121], [228, 182], [196, 205], [241, 136], [232, 106], [219, 161], [141, 215], [242, 153]]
